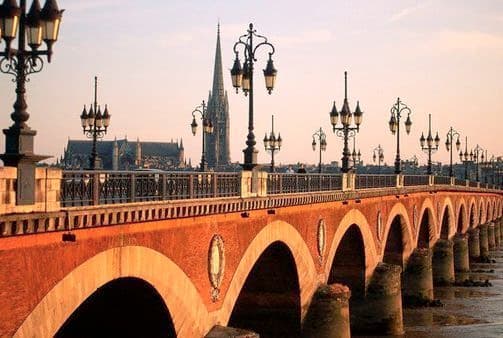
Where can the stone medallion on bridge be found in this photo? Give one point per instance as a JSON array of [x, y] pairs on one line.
[[321, 239], [216, 265], [380, 228]]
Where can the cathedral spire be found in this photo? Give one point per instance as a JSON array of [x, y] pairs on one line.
[[218, 77]]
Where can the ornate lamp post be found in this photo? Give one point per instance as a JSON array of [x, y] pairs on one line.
[[355, 156], [34, 26], [243, 78], [322, 139], [346, 131], [94, 124], [378, 155], [394, 126], [449, 140], [272, 143], [477, 152], [431, 144], [465, 157], [207, 129]]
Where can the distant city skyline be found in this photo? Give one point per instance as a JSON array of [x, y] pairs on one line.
[[154, 61]]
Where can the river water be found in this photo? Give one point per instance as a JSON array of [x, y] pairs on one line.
[[467, 311]]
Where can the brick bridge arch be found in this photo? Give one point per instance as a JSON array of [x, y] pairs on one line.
[[451, 217], [188, 313], [462, 220], [427, 210], [277, 231]]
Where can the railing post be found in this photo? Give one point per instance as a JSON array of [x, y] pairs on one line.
[[96, 188], [431, 180], [453, 181], [164, 186], [215, 187], [191, 186], [133, 187]]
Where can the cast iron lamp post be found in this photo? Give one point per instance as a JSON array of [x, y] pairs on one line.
[[94, 124], [243, 78], [394, 125], [322, 139], [355, 156], [34, 26], [477, 152], [431, 144], [346, 131], [272, 143], [378, 155], [449, 140], [465, 157], [207, 129]]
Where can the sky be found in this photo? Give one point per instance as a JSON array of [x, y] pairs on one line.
[[154, 60]]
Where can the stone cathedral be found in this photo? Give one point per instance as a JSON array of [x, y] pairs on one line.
[[217, 144]]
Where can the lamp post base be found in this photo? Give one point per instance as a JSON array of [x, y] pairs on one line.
[[19, 154], [250, 158]]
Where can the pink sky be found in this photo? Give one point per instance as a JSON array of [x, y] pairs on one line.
[[154, 60]]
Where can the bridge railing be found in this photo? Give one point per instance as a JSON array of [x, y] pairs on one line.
[[279, 183], [412, 180], [82, 188], [375, 181], [446, 180], [460, 182]]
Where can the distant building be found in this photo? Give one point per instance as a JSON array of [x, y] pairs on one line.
[[125, 155], [217, 144]]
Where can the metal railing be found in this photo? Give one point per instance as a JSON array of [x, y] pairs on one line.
[[473, 184], [81, 188], [460, 182], [411, 180], [296, 183], [442, 180], [375, 181]]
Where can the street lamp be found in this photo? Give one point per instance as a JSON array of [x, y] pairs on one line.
[[465, 157], [322, 139], [394, 125], [243, 78], [34, 26], [272, 143], [207, 129], [355, 156], [94, 124], [431, 144], [449, 140], [477, 152], [345, 131], [378, 154]]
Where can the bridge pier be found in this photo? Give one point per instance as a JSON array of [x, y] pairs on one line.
[[381, 311], [443, 262], [229, 332], [474, 244], [484, 241], [328, 314], [491, 236], [418, 278], [461, 257], [497, 233]]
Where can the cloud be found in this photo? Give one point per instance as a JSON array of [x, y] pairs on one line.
[[306, 37], [406, 12], [466, 40]]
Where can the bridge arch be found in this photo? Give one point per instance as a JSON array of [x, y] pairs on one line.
[[447, 220], [289, 237], [489, 213], [426, 232], [462, 218], [398, 236], [353, 218], [188, 313], [473, 218], [482, 212]]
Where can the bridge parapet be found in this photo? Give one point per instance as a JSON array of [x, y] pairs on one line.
[[47, 191]]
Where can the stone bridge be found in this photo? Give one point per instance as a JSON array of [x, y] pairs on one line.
[[309, 262]]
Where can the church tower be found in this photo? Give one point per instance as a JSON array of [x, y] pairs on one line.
[[217, 143]]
